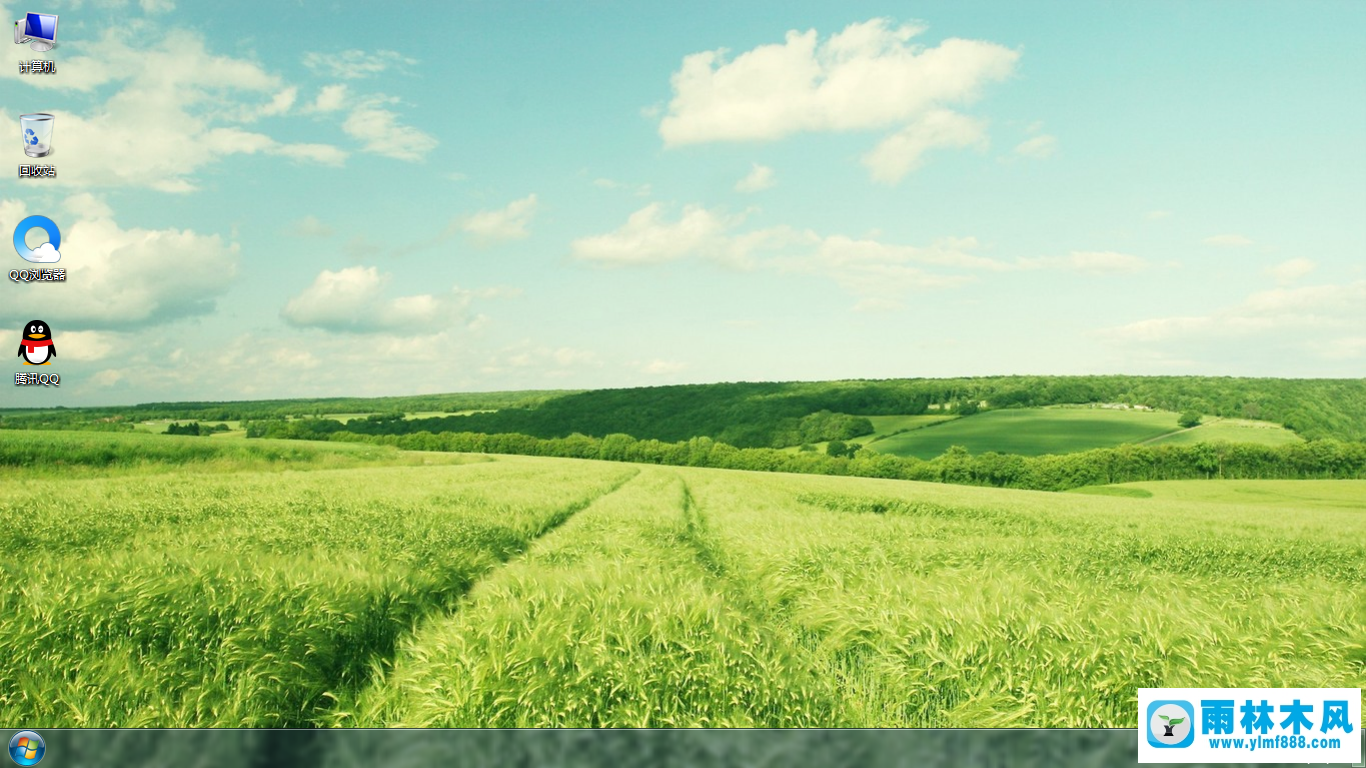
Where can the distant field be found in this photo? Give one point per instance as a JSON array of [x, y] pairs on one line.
[[1032, 432], [501, 591], [1335, 494], [34, 454], [1232, 431], [348, 417], [158, 426], [886, 426]]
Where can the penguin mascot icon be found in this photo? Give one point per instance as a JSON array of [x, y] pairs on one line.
[[35, 343]]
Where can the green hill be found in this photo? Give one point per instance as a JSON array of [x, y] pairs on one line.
[[1037, 431], [770, 414], [1231, 431]]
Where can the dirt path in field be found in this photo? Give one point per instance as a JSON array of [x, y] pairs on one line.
[[563, 516], [631, 614], [729, 578], [347, 697]]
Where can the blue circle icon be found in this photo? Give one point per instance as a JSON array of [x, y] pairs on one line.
[[43, 254], [27, 748]]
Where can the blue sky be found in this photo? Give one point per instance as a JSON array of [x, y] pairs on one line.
[[295, 200]]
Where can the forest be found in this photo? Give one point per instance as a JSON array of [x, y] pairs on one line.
[[1319, 459], [776, 415]]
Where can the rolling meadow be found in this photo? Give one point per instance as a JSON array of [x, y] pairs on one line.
[[178, 581]]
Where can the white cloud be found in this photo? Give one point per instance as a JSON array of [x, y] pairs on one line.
[[124, 278], [1156, 215], [310, 226], [1343, 348], [176, 109], [1307, 301], [507, 223], [662, 367], [379, 128], [878, 272], [881, 274], [648, 238], [157, 6], [540, 361], [270, 364], [759, 178], [900, 153], [567, 356], [1039, 146], [331, 98], [946, 252], [1088, 262], [640, 190], [1227, 241], [1292, 270], [280, 104], [877, 305], [354, 64], [89, 346], [869, 76], [1323, 315], [107, 378], [352, 300]]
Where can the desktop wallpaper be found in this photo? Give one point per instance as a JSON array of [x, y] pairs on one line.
[[309, 199], [680, 365]]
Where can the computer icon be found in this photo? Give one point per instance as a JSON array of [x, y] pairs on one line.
[[42, 28]]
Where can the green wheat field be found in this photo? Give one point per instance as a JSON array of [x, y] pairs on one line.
[[162, 581]]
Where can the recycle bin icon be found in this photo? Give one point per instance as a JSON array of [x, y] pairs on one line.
[[37, 133]]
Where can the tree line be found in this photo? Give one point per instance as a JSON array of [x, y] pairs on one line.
[[195, 429], [1317, 459], [766, 414], [123, 418], [776, 414]]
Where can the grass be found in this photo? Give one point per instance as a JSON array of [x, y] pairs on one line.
[[348, 417], [621, 619], [1232, 431], [1032, 432], [885, 604], [979, 607], [1293, 494], [248, 599], [28, 454], [523, 591], [885, 427]]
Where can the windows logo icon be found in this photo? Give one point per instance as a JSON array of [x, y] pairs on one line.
[[27, 748]]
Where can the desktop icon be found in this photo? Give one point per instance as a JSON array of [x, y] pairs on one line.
[[36, 130], [1171, 724], [26, 748], [46, 253], [39, 30], [35, 343]]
